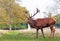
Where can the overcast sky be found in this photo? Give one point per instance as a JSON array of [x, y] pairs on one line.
[[31, 5]]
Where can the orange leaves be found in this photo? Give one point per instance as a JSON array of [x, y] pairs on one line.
[[11, 13]]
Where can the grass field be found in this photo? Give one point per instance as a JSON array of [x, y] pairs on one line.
[[25, 36]]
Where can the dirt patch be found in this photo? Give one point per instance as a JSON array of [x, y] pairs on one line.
[[46, 30]]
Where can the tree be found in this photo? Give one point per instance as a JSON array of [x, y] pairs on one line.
[[57, 19], [57, 3], [51, 10], [54, 9], [13, 12]]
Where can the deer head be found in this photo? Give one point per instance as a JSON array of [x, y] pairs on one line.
[[30, 17]]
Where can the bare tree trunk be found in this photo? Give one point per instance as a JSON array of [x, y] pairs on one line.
[[9, 22], [49, 15], [10, 27]]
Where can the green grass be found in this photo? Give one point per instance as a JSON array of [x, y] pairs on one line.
[[25, 36]]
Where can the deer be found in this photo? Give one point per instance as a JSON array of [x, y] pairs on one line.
[[41, 23]]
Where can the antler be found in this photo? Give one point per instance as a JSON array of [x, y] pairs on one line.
[[36, 12], [25, 12]]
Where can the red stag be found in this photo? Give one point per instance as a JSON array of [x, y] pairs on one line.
[[41, 23]]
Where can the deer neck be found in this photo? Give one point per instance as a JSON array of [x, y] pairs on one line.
[[32, 23]]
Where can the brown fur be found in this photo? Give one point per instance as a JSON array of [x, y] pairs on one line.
[[42, 23]]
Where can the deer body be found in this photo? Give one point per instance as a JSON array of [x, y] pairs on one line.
[[41, 23], [45, 22], [38, 23]]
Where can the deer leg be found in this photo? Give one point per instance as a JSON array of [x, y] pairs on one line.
[[42, 32], [37, 33], [52, 31]]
